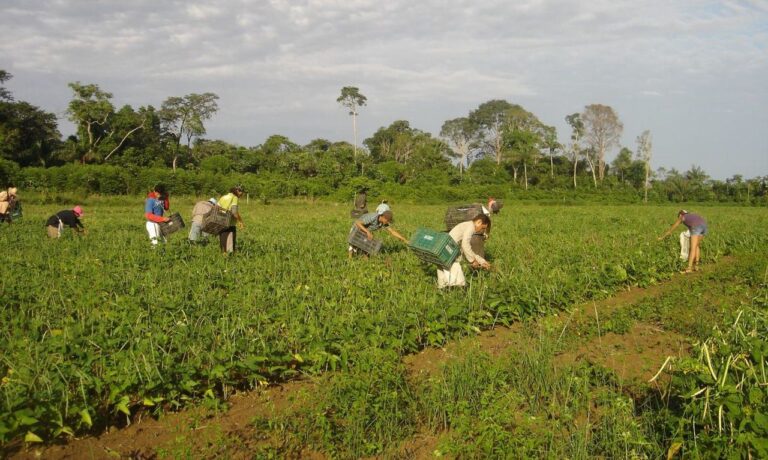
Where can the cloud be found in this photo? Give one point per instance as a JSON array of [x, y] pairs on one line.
[[422, 59]]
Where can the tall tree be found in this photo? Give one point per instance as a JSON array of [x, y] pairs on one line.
[[577, 134], [602, 132], [28, 136], [489, 119], [522, 137], [90, 110], [461, 137], [5, 95], [184, 117], [352, 99], [552, 145], [622, 163], [644, 153]]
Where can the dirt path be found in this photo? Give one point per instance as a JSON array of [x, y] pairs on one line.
[[200, 432]]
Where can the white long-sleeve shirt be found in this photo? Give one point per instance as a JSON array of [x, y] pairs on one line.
[[462, 235]]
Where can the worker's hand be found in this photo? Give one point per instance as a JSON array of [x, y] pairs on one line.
[[369, 235], [240, 225], [661, 237]]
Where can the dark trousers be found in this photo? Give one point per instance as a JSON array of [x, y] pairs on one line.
[[477, 243], [228, 239]]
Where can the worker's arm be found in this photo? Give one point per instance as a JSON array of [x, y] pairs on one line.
[[397, 234], [674, 226]]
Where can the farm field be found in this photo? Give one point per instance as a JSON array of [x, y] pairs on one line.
[[100, 330]]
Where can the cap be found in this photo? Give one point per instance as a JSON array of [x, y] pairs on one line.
[[682, 211], [212, 201], [78, 210]]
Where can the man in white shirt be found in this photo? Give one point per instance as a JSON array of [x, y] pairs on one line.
[[462, 235]]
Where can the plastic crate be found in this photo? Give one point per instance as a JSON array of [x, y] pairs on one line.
[[216, 220], [172, 226], [358, 239], [458, 214], [496, 207], [434, 247], [16, 213]]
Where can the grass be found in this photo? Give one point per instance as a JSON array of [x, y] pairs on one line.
[[106, 327]]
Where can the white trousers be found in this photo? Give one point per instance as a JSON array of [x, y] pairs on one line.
[[153, 229], [452, 277], [685, 244]]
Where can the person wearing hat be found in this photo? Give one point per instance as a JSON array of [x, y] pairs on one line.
[[383, 206], [463, 235], [8, 200], [154, 206], [199, 211], [698, 228], [68, 217], [368, 223], [228, 238]]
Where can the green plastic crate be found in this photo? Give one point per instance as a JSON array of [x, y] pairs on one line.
[[434, 247]]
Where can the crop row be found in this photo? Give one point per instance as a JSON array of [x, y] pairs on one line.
[[96, 329]]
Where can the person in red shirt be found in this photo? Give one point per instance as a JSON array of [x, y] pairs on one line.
[[154, 206]]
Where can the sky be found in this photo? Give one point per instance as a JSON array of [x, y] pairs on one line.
[[693, 72]]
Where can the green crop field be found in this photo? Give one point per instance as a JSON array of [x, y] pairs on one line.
[[96, 329]]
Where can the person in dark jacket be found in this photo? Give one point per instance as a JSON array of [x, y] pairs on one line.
[[69, 218], [698, 227]]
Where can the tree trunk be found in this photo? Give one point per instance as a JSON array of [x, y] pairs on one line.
[[354, 134], [525, 174], [601, 164], [551, 166], [575, 165], [121, 142]]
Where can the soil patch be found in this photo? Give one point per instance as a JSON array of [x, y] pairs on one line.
[[194, 432], [635, 356]]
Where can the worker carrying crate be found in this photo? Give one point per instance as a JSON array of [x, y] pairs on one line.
[[367, 224], [462, 234]]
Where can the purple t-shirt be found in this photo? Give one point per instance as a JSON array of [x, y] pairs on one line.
[[693, 220]]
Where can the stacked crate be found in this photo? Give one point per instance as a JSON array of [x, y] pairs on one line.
[[434, 247]]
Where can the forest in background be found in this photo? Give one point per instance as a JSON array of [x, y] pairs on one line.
[[498, 149]]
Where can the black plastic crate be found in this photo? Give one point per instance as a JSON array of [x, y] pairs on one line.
[[216, 220], [458, 214], [358, 239], [172, 226]]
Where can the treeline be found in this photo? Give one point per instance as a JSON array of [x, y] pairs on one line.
[[498, 149]]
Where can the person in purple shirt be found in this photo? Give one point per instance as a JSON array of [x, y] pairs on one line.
[[698, 227]]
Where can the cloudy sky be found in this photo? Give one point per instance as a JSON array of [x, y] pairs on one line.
[[693, 72]]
